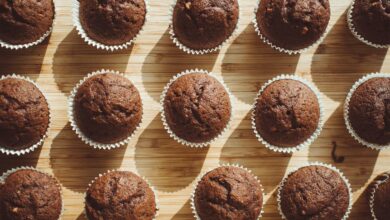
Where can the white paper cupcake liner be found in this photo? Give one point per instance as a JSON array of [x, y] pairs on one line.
[[375, 187], [9, 46], [193, 207], [346, 111], [347, 213], [30, 149], [164, 120], [280, 49], [76, 129], [115, 170], [94, 43], [188, 50], [356, 34], [4, 176], [311, 139]]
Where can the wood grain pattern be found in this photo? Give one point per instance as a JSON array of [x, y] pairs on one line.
[[245, 64]]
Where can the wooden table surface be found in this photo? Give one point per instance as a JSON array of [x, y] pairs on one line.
[[244, 64]]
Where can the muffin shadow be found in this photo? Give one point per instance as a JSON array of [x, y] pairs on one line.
[[248, 63], [74, 59], [10, 162], [341, 59], [185, 213], [361, 207], [166, 164], [68, 153], [166, 60]]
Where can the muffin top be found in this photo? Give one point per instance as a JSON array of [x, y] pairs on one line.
[[197, 107], [29, 194], [371, 19], [369, 111], [204, 24], [381, 205], [25, 21], [293, 24], [24, 114], [120, 195], [107, 108], [228, 193], [314, 192], [287, 113], [112, 22]]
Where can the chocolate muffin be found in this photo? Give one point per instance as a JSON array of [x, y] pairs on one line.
[[204, 24], [197, 107], [112, 22], [25, 21], [107, 108], [369, 111], [24, 114], [293, 24], [314, 192], [287, 113], [29, 194], [120, 195], [371, 20], [228, 193], [380, 207]]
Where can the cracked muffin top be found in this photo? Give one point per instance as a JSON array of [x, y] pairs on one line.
[[112, 22], [369, 111], [228, 193], [371, 19], [107, 108], [120, 195], [287, 113], [204, 24], [293, 24], [24, 114], [197, 107], [29, 194], [314, 192], [381, 203], [25, 21]]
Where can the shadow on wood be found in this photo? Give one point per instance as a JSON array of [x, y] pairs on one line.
[[185, 213], [10, 162]]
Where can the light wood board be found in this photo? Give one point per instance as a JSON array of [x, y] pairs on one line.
[[245, 64]]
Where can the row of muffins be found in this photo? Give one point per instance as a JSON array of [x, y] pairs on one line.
[[197, 26], [105, 110], [314, 191]]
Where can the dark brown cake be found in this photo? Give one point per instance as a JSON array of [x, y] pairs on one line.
[[107, 108], [293, 24], [381, 205], [371, 20], [314, 192], [228, 193], [287, 113], [25, 21], [112, 22], [197, 107], [369, 111], [120, 195], [29, 194], [204, 24], [24, 114]]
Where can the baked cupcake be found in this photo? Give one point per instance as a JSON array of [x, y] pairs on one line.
[[367, 111], [196, 108], [24, 23], [26, 193], [287, 114], [105, 109], [24, 115], [228, 192], [292, 26], [109, 24], [315, 192], [380, 197], [120, 195], [202, 26], [369, 21]]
